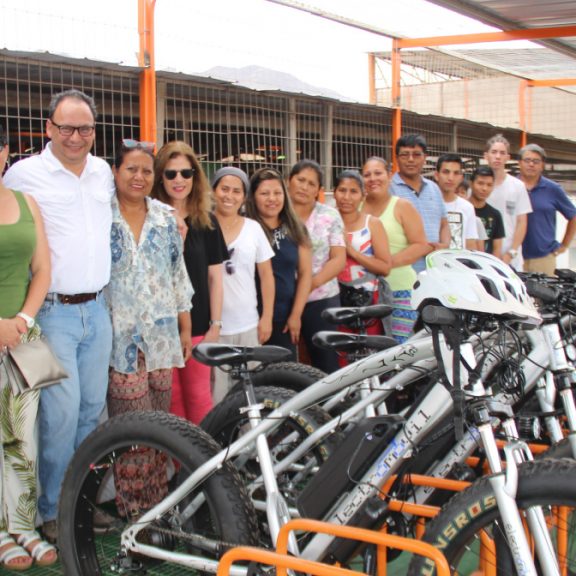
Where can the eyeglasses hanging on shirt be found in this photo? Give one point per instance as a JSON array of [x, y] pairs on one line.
[[228, 264]]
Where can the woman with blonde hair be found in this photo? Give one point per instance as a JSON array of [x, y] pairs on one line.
[[180, 181]]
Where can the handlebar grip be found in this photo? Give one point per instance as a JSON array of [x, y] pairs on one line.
[[438, 315]]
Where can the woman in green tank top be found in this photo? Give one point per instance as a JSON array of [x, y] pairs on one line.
[[406, 239], [24, 282]]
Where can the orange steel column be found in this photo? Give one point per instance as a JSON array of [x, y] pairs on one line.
[[148, 74], [396, 101]]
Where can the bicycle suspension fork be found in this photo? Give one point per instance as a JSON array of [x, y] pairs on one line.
[[505, 487]]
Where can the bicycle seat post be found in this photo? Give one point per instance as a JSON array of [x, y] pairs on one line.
[[277, 510], [243, 374]]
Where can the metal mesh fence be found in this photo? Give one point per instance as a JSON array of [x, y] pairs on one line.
[[228, 124], [474, 85]]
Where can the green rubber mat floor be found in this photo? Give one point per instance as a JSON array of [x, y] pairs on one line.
[[396, 568]]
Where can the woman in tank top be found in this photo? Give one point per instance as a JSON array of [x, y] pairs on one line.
[[406, 239], [24, 282], [367, 253]]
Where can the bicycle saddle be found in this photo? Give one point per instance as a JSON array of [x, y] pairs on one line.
[[347, 315], [565, 274], [219, 354], [344, 342]]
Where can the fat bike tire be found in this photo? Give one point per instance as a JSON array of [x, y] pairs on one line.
[[289, 375], [224, 516], [473, 514]]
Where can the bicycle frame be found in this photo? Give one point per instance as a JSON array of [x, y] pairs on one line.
[[394, 359], [415, 428]]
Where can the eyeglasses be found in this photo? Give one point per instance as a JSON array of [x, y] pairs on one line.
[[65, 130], [415, 155], [187, 173], [534, 161], [131, 144], [229, 265]]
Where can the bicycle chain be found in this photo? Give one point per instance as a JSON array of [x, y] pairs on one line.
[[193, 538]]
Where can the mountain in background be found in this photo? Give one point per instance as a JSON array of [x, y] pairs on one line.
[[259, 78]]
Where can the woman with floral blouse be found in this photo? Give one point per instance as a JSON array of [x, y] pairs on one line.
[[326, 232], [150, 298]]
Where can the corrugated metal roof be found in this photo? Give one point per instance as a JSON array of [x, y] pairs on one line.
[[517, 14], [532, 63]]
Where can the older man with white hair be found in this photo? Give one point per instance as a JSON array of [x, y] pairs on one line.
[[540, 246]]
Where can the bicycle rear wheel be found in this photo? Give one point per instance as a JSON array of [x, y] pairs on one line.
[[227, 421], [113, 470]]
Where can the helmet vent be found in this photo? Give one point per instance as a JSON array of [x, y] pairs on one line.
[[501, 272], [490, 287], [469, 263], [510, 289]]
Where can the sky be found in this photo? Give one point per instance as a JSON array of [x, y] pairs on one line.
[[192, 36]]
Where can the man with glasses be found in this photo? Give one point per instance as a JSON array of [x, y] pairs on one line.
[[510, 198], [74, 191], [540, 246], [423, 193]]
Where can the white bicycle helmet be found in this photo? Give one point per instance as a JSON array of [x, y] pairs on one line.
[[476, 282]]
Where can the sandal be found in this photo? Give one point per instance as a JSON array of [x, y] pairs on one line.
[[43, 553], [10, 551]]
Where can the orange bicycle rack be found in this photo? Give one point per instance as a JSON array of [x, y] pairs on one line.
[[283, 561]]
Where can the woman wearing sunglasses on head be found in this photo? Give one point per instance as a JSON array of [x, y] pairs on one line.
[[180, 181], [150, 296], [249, 252]]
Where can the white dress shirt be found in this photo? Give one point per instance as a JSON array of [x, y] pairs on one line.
[[77, 215]]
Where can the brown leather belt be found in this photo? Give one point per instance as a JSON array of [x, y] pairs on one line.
[[76, 298]]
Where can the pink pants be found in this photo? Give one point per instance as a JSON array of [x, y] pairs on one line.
[[191, 395]]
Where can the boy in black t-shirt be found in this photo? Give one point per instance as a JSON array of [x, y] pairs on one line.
[[481, 186]]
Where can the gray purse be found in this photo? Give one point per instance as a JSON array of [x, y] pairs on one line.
[[32, 365]]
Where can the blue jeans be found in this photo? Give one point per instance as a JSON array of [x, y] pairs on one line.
[[81, 337]]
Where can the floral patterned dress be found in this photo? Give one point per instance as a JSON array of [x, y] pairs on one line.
[[149, 287]]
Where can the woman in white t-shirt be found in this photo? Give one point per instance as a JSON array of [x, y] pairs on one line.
[[249, 252]]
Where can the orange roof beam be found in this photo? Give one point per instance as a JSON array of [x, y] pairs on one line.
[[506, 35], [552, 82]]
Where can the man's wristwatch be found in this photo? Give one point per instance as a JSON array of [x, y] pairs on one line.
[[216, 323], [513, 252], [28, 319]]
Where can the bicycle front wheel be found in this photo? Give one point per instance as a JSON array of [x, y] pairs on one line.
[[128, 465], [469, 529]]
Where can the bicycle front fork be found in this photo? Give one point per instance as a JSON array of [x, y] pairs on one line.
[[505, 487]]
